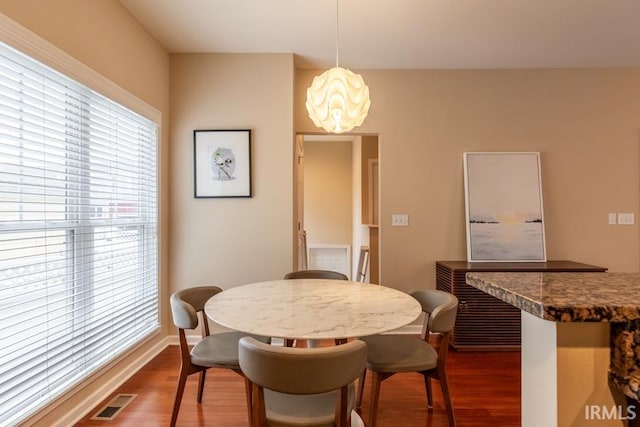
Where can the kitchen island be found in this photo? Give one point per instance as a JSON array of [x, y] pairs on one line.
[[580, 344]]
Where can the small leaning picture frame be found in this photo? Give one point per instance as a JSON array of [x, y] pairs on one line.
[[222, 163]]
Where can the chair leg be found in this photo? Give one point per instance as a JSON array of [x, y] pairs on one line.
[[203, 375], [258, 410], [288, 342], [248, 389], [340, 341], [182, 381], [376, 379], [442, 377], [427, 386], [343, 414], [361, 391]]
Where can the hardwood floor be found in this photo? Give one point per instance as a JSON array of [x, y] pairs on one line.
[[485, 389]]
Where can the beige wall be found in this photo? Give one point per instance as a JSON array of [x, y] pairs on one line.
[[103, 35], [583, 121], [228, 242], [328, 192]]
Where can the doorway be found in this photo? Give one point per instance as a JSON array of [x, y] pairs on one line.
[[336, 203]]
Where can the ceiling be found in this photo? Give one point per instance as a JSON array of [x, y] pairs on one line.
[[404, 34]]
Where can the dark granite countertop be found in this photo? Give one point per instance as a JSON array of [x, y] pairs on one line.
[[566, 297]]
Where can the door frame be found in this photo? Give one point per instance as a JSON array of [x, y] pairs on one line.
[[299, 257]]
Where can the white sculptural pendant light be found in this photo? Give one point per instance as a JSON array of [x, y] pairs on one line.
[[338, 99]]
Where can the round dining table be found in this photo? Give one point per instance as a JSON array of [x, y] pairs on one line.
[[312, 309]]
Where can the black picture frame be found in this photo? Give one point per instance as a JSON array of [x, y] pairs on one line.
[[222, 163]]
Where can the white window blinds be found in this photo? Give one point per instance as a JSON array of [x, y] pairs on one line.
[[78, 226]]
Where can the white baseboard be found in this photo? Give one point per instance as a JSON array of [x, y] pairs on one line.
[[191, 339], [108, 387]]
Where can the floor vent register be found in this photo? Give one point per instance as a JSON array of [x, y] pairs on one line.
[[113, 408]]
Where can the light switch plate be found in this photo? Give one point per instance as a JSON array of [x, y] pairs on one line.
[[613, 218]]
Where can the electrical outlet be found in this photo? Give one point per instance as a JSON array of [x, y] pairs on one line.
[[400, 220], [625, 218]]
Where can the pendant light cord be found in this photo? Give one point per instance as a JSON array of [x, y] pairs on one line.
[[337, 31]]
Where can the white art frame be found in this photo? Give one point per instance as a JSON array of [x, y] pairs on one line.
[[503, 207]]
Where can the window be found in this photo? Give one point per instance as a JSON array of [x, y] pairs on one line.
[[78, 233]]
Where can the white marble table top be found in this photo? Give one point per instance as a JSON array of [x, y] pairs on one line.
[[312, 309]]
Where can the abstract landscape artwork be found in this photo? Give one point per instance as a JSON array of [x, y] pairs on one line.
[[504, 212]]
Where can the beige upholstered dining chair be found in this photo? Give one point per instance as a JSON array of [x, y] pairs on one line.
[[391, 354], [314, 274], [302, 386], [213, 351]]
